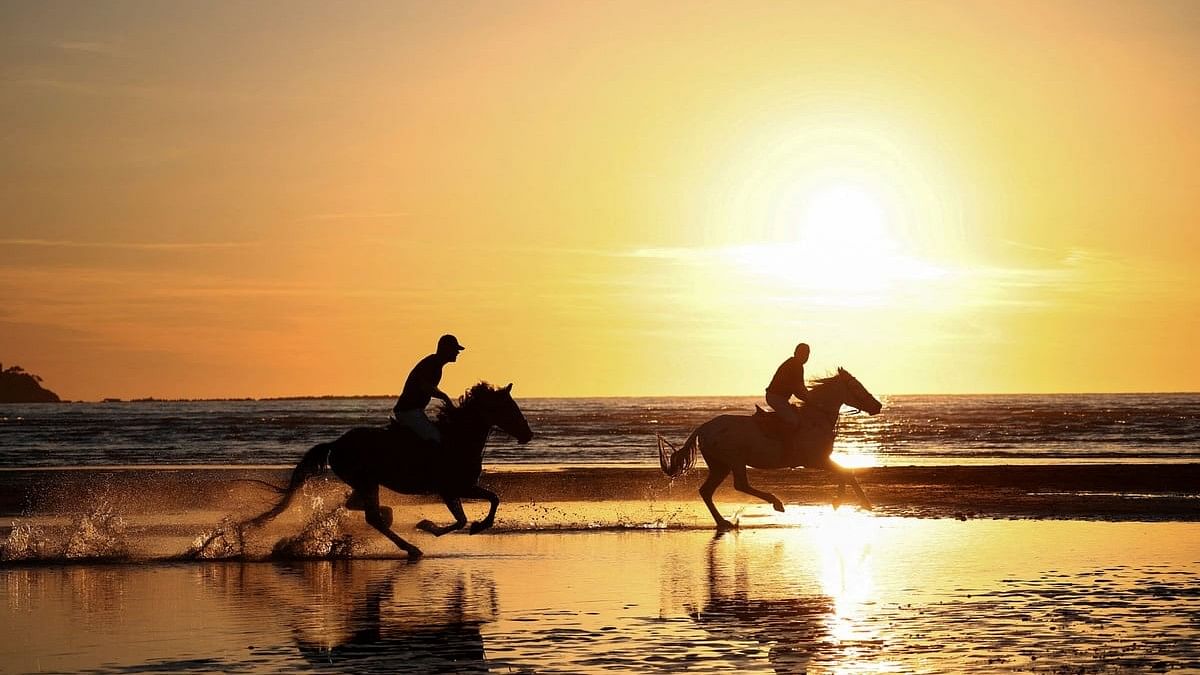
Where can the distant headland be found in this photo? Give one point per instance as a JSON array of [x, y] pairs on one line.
[[18, 386]]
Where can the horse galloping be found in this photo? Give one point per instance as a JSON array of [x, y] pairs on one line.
[[367, 458], [730, 443]]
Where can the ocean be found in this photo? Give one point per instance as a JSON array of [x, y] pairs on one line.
[[911, 430]]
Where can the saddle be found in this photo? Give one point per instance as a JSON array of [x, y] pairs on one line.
[[808, 445], [772, 425]]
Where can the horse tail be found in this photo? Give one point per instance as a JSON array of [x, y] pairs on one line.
[[676, 461], [310, 465]]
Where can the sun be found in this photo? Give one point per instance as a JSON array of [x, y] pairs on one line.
[[844, 239], [843, 248], [843, 216]]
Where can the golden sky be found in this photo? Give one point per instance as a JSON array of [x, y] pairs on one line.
[[260, 199]]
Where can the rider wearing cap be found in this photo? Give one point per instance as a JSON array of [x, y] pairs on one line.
[[422, 385]]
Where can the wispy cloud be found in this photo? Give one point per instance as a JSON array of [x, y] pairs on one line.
[[89, 47], [130, 245], [360, 215]]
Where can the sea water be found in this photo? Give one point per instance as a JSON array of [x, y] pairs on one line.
[[1059, 428]]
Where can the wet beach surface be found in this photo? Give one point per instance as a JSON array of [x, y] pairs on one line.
[[613, 569], [829, 592], [1112, 492]]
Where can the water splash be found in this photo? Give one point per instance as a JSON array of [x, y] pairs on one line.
[[224, 542], [24, 542], [99, 534], [323, 536]]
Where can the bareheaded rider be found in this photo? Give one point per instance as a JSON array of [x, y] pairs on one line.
[[789, 382]]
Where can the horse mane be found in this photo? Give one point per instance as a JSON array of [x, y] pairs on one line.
[[448, 414], [819, 382]]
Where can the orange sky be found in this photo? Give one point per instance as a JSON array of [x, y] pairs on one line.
[[599, 198]]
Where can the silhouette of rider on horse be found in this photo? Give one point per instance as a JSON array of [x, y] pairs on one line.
[[789, 382], [421, 387]]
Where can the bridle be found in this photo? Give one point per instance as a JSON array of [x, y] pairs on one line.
[[834, 414]]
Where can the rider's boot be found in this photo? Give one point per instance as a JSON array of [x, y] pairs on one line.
[[791, 448]]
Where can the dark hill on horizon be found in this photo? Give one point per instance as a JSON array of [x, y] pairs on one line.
[[18, 386]]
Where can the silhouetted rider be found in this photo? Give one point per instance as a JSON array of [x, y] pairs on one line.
[[789, 382], [422, 385]]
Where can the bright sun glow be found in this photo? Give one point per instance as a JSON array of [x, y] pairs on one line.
[[843, 215], [844, 251]]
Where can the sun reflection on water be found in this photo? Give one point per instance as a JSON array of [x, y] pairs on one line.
[[856, 454], [844, 539]]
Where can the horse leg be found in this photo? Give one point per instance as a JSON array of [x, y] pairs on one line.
[[716, 474], [841, 491], [476, 492], [356, 502], [380, 518], [862, 496], [742, 483], [460, 519]]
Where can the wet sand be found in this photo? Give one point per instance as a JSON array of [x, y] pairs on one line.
[[833, 592], [607, 569], [1113, 492]]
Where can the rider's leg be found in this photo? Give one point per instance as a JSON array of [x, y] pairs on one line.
[[781, 405], [419, 423], [787, 412]]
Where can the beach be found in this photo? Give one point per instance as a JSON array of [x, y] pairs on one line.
[[833, 592], [607, 569], [1087, 491]]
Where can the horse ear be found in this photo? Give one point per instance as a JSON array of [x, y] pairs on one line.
[[508, 389], [841, 370]]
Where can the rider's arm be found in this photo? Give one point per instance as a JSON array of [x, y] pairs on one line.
[[801, 389], [438, 393]]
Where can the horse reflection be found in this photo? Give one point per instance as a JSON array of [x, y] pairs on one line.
[[352, 617], [793, 630]]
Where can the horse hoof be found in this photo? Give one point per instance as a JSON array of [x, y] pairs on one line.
[[480, 526], [725, 526], [428, 526], [413, 553], [779, 506]]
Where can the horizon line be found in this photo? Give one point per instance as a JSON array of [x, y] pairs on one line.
[[317, 397]]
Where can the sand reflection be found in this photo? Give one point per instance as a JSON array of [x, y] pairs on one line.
[[374, 616], [791, 629]]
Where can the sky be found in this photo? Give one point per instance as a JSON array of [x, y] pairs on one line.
[[599, 199]]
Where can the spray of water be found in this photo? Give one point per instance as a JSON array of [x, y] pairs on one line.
[[323, 536], [24, 542], [223, 542], [99, 534]]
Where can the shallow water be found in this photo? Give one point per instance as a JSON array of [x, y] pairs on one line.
[[823, 591]]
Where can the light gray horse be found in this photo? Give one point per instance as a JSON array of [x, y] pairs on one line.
[[730, 443]]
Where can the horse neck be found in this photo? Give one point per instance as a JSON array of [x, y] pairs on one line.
[[470, 431], [825, 400]]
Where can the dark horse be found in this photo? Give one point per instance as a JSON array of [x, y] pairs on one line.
[[730, 443], [366, 458]]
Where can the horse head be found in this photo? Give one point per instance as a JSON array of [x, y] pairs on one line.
[[844, 389], [857, 395], [498, 409]]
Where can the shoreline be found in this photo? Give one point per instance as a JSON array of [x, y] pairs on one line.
[[1134, 492]]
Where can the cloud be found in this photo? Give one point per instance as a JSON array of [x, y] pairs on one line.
[[130, 245], [88, 47], [363, 215]]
